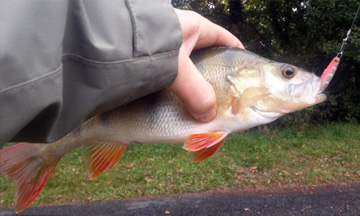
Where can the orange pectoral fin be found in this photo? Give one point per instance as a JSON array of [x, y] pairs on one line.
[[204, 145], [101, 157]]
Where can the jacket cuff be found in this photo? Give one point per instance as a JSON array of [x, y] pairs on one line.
[[154, 23]]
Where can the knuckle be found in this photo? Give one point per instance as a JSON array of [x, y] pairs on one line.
[[206, 103]]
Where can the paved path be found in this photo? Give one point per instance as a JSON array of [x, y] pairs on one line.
[[341, 199]]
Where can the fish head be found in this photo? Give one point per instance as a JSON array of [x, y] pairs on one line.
[[274, 89]]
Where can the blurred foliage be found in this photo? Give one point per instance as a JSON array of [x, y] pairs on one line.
[[305, 33]]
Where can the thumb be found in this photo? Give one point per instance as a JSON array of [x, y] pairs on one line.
[[193, 90]]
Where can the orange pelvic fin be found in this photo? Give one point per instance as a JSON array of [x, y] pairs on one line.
[[24, 165], [101, 157], [204, 145], [206, 153]]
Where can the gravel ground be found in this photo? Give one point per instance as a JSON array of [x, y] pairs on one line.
[[335, 199]]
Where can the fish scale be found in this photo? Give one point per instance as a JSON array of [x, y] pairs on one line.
[[168, 119]]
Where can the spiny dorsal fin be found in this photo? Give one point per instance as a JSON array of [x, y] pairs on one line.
[[205, 145], [100, 157]]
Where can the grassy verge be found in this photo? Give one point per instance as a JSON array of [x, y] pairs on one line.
[[308, 155]]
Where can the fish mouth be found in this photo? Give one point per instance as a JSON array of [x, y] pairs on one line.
[[309, 91], [319, 98], [298, 97]]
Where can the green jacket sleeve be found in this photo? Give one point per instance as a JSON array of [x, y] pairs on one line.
[[62, 62]]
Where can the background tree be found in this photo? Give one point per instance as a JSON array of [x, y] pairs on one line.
[[305, 33]]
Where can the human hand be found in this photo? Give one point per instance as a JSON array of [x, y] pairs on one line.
[[189, 85]]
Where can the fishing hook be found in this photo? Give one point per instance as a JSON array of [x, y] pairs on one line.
[[330, 70]]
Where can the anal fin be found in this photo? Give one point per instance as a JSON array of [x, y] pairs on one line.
[[101, 157], [205, 145]]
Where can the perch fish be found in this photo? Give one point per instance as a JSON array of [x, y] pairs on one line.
[[250, 91]]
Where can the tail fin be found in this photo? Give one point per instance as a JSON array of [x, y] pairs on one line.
[[24, 165]]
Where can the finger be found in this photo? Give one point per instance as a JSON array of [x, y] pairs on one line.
[[214, 35], [203, 33], [193, 90]]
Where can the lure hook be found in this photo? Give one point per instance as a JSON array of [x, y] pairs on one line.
[[330, 70]]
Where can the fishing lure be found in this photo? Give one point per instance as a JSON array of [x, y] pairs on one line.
[[330, 70]]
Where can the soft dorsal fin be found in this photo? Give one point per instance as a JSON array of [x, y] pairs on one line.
[[205, 145], [100, 157]]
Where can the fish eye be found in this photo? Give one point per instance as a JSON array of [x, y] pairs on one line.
[[287, 72]]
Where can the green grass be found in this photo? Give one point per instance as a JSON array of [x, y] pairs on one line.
[[309, 155]]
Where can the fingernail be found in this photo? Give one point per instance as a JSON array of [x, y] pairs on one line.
[[207, 116]]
